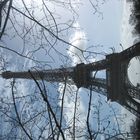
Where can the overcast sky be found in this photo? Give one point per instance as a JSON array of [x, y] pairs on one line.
[[102, 28], [105, 28]]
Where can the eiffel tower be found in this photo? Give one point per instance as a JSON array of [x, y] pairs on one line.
[[116, 86]]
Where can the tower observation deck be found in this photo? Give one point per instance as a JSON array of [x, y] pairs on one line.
[[116, 86]]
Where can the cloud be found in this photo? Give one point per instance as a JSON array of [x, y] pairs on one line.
[[79, 40], [76, 55]]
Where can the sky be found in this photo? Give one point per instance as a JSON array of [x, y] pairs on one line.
[[99, 32], [104, 28]]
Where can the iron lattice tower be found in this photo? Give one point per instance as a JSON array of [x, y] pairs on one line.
[[116, 86]]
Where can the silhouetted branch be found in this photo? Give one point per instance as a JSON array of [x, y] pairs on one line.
[[49, 31], [49, 106], [62, 104], [16, 111], [37, 61], [88, 115], [74, 116], [7, 17]]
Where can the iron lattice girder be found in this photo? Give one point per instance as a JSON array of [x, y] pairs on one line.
[[130, 52], [120, 88], [83, 75], [116, 73], [131, 104], [117, 82], [116, 85], [134, 92], [52, 75]]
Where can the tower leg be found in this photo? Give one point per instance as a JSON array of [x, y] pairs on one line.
[[130, 52], [132, 105]]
